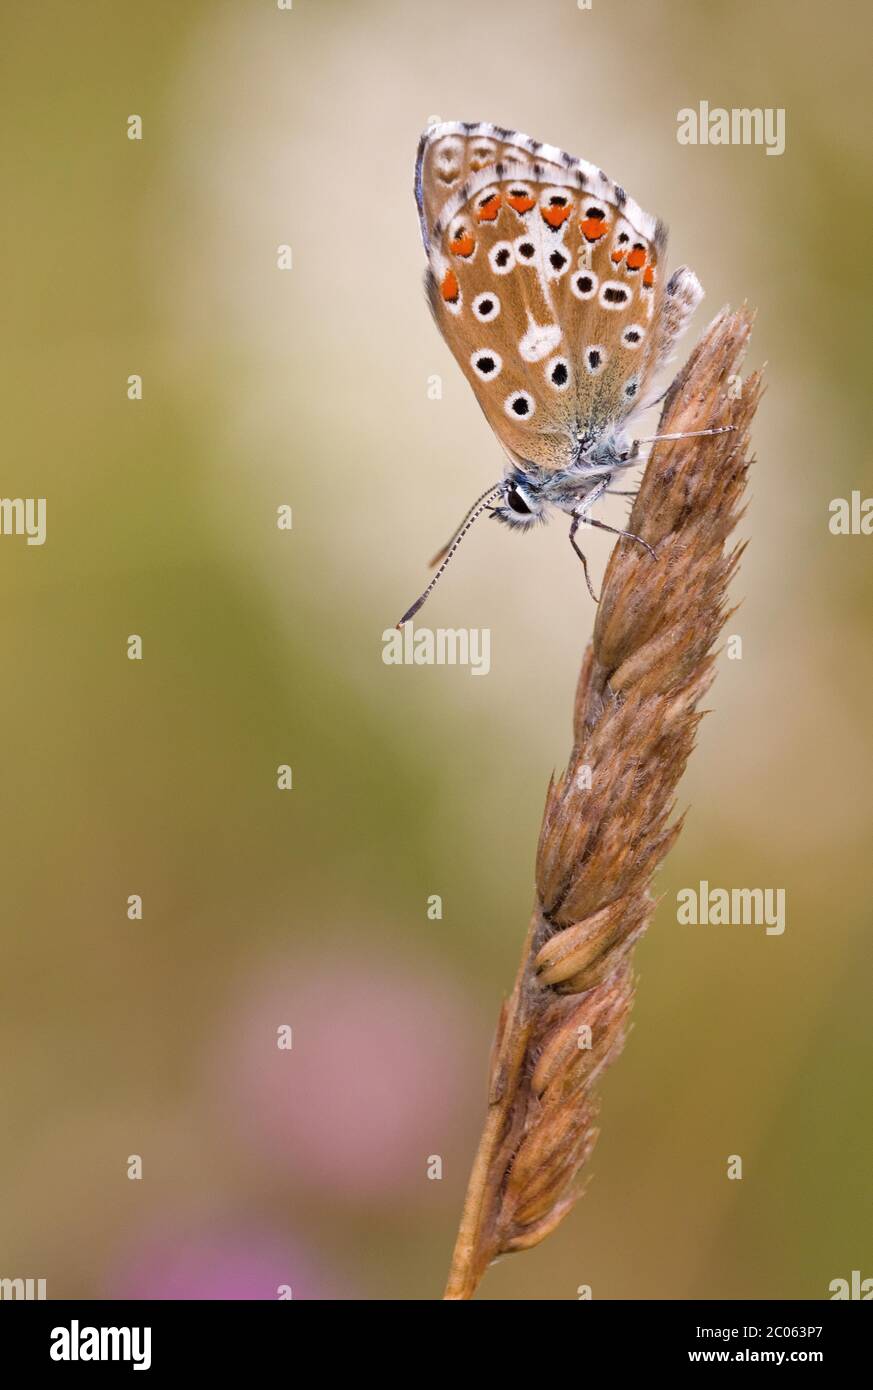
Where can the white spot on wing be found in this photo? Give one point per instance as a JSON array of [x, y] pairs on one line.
[[539, 341]]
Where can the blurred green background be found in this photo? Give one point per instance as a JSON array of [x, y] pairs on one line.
[[261, 647]]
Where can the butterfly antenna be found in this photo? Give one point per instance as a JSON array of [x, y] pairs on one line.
[[444, 550], [443, 556]]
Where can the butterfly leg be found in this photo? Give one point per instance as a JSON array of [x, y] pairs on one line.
[[682, 434], [632, 456], [628, 535], [574, 527]]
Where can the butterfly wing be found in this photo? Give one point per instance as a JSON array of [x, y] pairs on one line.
[[449, 155], [544, 278]]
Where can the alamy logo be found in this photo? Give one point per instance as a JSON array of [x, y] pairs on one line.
[[741, 125], [857, 1288], [22, 1288], [75, 1343], [443, 646], [851, 516], [23, 516], [732, 907]]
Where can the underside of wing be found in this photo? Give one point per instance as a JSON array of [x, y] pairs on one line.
[[452, 153], [544, 279]]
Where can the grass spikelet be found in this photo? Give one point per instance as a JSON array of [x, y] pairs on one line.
[[608, 819]]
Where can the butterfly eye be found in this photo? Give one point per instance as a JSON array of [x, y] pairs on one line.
[[517, 502]]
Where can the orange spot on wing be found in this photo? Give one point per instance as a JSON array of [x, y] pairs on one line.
[[649, 276], [488, 211], [636, 259], [463, 245], [617, 257], [555, 217], [450, 289], [593, 228], [521, 204]]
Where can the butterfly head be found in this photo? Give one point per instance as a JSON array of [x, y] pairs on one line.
[[590, 457], [520, 502]]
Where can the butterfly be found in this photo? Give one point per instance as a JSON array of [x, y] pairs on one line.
[[547, 282]]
